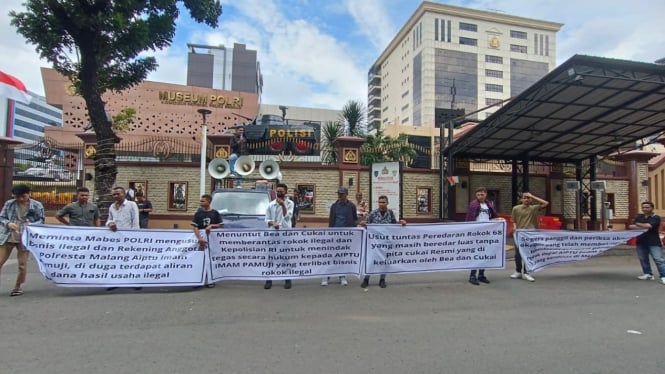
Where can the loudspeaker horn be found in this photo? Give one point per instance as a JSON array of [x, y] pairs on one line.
[[219, 168], [244, 165], [269, 169]]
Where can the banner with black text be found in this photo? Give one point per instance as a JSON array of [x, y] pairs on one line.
[[542, 248], [97, 257], [395, 249], [284, 254]]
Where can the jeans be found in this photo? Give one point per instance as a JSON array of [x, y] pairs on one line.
[[656, 252], [232, 165], [22, 257]]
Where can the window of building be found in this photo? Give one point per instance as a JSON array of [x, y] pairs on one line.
[[517, 34], [547, 45], [518, 48], [489, 101], [493, 88], [541, 44], [436, 29], [493, 73], [405, 107], [468, 41], [494, 59], [405, 120], [535, 44], [405, 93], [468, 26], [449, 27]]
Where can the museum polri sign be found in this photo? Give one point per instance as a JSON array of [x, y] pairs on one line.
[[189, 98]]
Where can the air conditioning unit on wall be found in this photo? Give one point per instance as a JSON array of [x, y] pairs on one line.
[[572, 185], [598, 185]]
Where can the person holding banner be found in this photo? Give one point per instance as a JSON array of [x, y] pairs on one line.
[[480, 210], [15, 214], [123, 214], [81, 212], [525, 216], [278, 215], [206, 219], [648, 243], [343, 213], [381, 215]]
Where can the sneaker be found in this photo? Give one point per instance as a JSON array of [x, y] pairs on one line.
[[516, 275], [267, 285], [365, 283], [473, 280], [343, 281], [324, 282], [382, 283], [662, 280], [528, 277], [287, 284], [483, 279], [645, 277]]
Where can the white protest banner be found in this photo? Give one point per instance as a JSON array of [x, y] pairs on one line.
[[436, 247], [542, 248], [97, 257], [284, 254]]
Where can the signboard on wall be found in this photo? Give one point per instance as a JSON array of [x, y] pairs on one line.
[[386, 179]]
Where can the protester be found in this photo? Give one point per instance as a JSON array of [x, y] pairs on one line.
[[145, 207], [81, 212], [278, 216], [206, 219], [361, 206], [15, 214], [343, 213], [648, 243], [480, 210], [123, 214], [525, 216], [381, 215], [297, 201], [238, 148]]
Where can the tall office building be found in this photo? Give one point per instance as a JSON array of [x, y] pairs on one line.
[[222, 68], [26, 122], [447, 57]]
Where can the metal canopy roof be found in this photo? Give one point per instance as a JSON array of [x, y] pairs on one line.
[[587, 106]]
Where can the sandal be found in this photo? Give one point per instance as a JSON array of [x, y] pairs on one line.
[[210, 285], [16, 292]]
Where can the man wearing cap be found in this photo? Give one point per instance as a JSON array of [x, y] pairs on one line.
[[343, 213]]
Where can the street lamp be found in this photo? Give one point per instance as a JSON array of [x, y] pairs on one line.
[[204, 142]]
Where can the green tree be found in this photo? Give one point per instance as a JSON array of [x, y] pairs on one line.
[[354, 113], [97, 44], [381, 148], [330, 132]]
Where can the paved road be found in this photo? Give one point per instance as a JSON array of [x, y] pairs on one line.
[[573, 319]]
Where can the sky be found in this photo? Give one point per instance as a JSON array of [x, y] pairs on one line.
[[316, 53]]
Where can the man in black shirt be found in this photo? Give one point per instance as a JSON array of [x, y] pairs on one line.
[[649, 242], [208, 219], [145, 207]]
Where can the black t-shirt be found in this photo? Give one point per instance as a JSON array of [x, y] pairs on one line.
[[146, 204], [204, 218], [651, 236]]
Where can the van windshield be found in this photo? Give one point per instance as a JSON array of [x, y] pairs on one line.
[[239, 202]]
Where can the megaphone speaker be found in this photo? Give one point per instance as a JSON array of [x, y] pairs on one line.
[[269, 169], [244, 165], [219, 168]]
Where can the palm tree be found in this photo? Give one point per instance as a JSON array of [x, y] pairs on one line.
[[354, 113], [331, 131], [381, 148]]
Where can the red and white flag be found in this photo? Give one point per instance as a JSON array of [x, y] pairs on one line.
[[12, 88]]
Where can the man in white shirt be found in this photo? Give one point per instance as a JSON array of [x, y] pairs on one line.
[[123, 214], [278, 215]]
